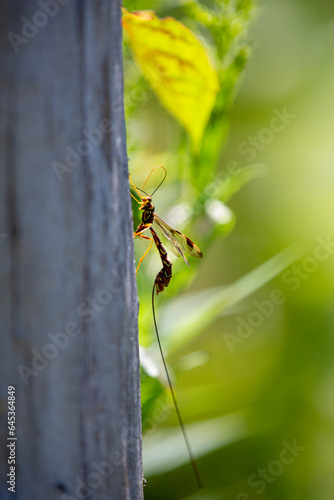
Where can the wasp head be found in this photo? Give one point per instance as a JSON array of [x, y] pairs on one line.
[[146, 203]]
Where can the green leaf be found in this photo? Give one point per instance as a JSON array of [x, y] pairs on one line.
[[164, 450], [177, 66], [181, 325]]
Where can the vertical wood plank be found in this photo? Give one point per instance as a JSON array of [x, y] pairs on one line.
[[69, 304]]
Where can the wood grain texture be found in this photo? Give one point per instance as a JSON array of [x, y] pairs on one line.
[[68, 303]]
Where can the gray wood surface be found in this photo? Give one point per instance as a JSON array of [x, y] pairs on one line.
[[68, 303]]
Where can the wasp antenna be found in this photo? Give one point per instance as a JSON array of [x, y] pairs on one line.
[[143, 191], [160, 182], [156, 189], [190, 452]]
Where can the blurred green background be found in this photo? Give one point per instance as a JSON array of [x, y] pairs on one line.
[[248, 331]]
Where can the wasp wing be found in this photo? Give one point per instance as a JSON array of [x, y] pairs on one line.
[[176, 241], [168, 241]]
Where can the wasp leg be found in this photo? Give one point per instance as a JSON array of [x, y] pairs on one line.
[[141, 228], [135, 198], [134, 188], [149, 248]]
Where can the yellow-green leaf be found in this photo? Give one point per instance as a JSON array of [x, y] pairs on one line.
[[177, 67]]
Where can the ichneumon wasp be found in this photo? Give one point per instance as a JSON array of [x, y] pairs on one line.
[[174, 240], [178, 243]]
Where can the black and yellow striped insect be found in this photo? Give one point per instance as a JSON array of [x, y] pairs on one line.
[[178, 243], [174, 240]]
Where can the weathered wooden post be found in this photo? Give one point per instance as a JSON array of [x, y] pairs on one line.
[[68, 304]]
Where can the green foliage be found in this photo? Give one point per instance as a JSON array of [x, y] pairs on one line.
[[177, 67], [195, 194], [246, 381]]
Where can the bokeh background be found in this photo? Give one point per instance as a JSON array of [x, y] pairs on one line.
[[257, 399]]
